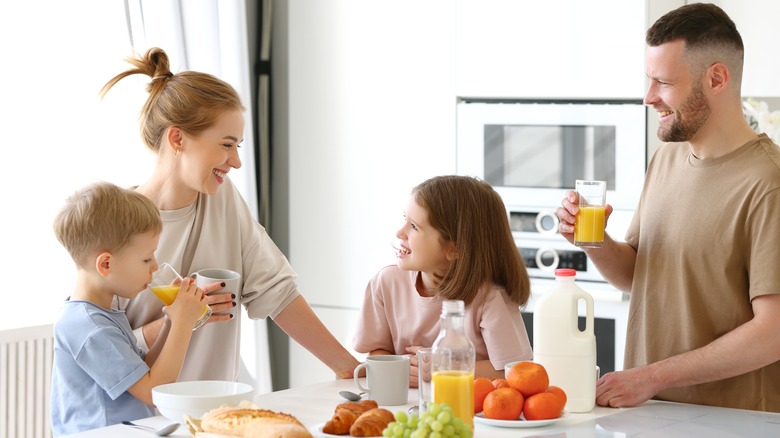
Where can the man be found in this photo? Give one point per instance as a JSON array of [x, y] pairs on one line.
[[701, 255]]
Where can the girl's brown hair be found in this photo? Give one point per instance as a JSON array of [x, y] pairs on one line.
[[192, 101], [467, 212]]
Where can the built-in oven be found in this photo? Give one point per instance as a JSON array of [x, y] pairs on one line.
[[532, 152]]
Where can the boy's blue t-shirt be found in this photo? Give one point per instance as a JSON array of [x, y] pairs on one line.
[[96, 360]]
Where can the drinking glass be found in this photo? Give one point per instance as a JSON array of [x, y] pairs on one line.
[[165, 284], [590, 222], [425, 391]]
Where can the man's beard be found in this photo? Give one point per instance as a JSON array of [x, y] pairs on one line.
[[689, 119]]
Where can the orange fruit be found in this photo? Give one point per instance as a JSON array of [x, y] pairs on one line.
[[482, 387], [503, 404], [557, 390], [500, 383], [542, 406], [528, 377]]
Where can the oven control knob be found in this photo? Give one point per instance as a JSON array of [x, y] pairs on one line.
[[547, 259], [547, 222]]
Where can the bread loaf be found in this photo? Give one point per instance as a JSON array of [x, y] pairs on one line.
[[251, 423], [372, 423]]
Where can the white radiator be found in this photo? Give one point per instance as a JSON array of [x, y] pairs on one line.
[[26, 356]]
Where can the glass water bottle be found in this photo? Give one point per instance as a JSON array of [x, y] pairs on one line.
[[453, 363]]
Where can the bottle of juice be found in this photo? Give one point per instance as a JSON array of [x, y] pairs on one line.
[[567, 353], [453, 363]]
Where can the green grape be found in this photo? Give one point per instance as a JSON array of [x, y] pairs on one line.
[[444, 417], [449, 430], [436, 426], [407, 433], [386, 432], [434, 435], [401, 417]]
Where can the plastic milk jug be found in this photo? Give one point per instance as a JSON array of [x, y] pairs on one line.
[[453, 363], [568, 354]]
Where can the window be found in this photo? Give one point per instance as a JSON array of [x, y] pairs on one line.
[[59, 136]]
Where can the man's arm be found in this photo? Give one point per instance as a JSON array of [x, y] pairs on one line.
[[751, 346], [614, 260]]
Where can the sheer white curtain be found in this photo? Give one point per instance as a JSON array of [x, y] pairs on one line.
[[211, 36]]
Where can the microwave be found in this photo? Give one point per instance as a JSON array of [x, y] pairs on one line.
[[532, 152]]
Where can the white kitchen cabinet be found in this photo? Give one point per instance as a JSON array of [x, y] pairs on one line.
[[541, 49]]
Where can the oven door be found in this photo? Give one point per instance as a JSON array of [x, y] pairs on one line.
[[532, 153]]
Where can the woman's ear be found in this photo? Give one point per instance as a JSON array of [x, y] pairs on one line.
[[103, 264], [174, 138]]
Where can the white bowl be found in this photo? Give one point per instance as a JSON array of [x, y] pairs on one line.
[[174, 400]]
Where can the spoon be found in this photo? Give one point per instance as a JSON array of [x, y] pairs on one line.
[[165, 431], [351, 396]]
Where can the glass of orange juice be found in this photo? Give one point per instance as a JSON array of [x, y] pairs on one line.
[[165, 284], [590, 222]]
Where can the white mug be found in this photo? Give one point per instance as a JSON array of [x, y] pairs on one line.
[[387, 377], [232, 280]]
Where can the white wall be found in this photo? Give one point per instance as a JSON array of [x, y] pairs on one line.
[[370, 113]]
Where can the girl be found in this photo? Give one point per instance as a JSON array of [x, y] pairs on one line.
[[455, 244]]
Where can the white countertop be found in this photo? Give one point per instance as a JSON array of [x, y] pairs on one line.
[[313, 405]]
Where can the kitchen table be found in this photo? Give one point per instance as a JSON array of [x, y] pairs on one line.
[[314, 404]]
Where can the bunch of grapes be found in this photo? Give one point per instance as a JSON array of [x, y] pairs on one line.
[[437, 422]]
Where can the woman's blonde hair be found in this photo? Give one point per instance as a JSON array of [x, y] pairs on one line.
[[103, 218], [467, 212], [190, 100]]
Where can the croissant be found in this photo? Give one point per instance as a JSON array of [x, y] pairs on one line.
[[372, 422], [358, 407], [340, 423]]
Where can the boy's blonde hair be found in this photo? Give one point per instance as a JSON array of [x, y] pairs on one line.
[[103, 217]]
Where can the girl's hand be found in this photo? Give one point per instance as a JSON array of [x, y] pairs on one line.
[[414, 366]]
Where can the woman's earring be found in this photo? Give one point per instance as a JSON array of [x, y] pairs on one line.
[[176, 153]]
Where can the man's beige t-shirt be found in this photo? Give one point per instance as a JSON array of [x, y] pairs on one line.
[[707, 235]]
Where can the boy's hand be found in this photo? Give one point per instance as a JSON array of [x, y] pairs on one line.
[[189, 304]]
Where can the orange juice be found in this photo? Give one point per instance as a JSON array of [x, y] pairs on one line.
[[166, 294], [589, 226], [456, 388]]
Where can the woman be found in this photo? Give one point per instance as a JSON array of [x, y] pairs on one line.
[[194, 122]]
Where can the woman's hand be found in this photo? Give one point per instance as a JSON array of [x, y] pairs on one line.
[[221, 303]]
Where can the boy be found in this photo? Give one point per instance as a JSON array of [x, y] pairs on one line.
[[100, 377]]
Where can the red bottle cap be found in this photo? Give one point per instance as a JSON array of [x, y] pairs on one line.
[[565, 272]]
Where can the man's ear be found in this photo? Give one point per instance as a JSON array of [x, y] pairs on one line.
[[718, 77], [103, 264]]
